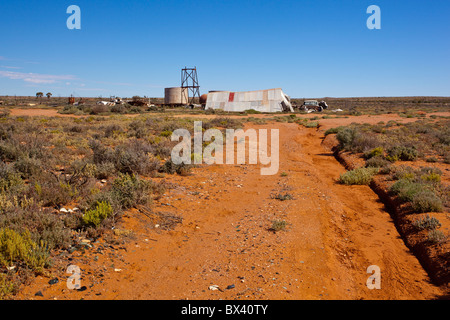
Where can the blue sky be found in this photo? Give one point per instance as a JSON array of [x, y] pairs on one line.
[[310, 48]]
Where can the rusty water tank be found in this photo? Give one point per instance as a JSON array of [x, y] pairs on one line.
[[203, 98], [175, 96]]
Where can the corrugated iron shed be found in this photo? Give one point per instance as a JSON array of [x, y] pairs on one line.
[[270, 100]]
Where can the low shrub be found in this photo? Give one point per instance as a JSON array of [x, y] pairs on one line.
[[375, 152], [283, 196], [9, 179], [346, 136], [25, 214], [19, 248], [377, 162], [130, 190], [359, 176], [426, 222], [426, 201], [406, 189], [333, 130], [402, 153], [171, 168], [436, 236], [278, 225], [95, 216], [27, 167], [431, 177]]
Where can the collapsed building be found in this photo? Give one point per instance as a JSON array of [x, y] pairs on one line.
[[270, 100]]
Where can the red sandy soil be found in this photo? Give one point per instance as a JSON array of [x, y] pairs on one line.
[[334, 234]]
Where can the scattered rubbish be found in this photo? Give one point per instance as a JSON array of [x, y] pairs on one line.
[[53, 281], [11, 268], [231, 286], [337, 110], [214, 287], [117, 270], [83, 288], [63, 210]]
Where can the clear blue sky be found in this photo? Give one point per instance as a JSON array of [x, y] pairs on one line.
[[310, 48]]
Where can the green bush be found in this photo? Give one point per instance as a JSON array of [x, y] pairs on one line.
[[346, 136], [403, 172], [406, 189], [403, 153], [130, 190], [19, 248], [375, 152], [166, 133], [333, 130], [311, 124], [96, 216], [22, 214], [431, 177], [359, 176], [426, 201]]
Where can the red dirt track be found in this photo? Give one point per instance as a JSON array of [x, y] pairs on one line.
[[334, 234]]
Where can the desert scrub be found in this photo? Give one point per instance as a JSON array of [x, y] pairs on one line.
[[358, 176], [10, 180], [426, 201], [402, 153], [23, 214], [95, 216], [333, 130], [278, 225], [283, 196], [377, 162], [421, 196], [170, 167], [311, 124], [436, 236], [406, 189], [130, 190], [426, 222], [356, 139], [19, 248], [27, 167], [375, 152]]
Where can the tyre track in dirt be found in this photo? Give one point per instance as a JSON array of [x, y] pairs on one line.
[[334, 233]]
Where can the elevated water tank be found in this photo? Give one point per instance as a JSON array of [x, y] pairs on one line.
[[203, 98], [176, 96]]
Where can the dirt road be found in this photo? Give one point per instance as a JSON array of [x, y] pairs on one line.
[[333, 234]]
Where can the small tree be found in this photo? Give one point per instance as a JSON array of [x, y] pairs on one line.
[[48, 94], [39, 95]]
